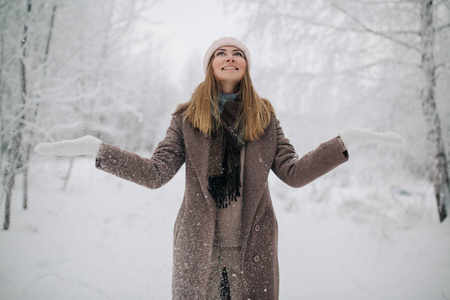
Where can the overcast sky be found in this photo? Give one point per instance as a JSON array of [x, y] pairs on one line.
[[189, 27]]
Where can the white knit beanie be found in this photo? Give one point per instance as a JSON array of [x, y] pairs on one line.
[[226, 41]]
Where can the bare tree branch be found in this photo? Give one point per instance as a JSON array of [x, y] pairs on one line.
[[446, 3], [350, 70], [370, 30], [382, 2], [275, 11], [442, 27], [337, 28]]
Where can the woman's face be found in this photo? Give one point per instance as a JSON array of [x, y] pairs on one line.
[[229, 67]]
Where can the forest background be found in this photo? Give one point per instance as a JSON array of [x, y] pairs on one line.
[[117, 69]]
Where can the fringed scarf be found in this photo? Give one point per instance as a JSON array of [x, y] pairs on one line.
[[225, 292], [224, 169]]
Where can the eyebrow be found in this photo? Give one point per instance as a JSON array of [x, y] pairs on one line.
[[234, 50]]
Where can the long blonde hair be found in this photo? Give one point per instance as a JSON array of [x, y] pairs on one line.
[[202, 110]]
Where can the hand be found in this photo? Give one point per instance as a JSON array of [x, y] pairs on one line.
[[87, 145], [351, 135]]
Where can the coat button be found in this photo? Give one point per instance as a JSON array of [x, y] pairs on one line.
[[257, 228], [256, 258]]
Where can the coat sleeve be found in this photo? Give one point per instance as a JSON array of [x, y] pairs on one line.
[[298, 171], [151, 172]]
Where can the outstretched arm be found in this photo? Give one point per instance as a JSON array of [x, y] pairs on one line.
[[150, 172], [298, 171]]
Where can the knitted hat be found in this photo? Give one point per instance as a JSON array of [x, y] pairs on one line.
[[226, 41]]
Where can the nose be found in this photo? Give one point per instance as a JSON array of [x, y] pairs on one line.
[[230, 58]]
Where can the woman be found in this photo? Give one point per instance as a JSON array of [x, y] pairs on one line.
[[225, 236]]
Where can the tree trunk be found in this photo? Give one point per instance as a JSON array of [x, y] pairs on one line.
[[24, 158], [69, 171], [9, 182], [14, 154], [2, 44], [13, 158], [25, 176], [439, 170], [34, 109], [50, 34]]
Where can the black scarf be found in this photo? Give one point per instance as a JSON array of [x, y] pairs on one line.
[[224, 169]]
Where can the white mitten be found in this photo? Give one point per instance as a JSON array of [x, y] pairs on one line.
[[86, 145], [351, 135]]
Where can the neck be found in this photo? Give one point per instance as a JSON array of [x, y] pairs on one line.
[[228, 88]]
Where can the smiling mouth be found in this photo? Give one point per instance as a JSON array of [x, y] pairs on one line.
[[230, 68]]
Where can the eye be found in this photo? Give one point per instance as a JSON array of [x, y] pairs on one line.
[[220, 53], [239, 54]]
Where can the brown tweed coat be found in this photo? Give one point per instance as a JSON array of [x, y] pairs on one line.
[[194, 227]]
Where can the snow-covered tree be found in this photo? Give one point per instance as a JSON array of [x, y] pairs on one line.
[[23, 39], [372, 62], [70, 68]]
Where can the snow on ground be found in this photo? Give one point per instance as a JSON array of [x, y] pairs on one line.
[[105, 238]]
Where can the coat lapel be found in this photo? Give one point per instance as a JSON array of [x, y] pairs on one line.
[[197, 151]]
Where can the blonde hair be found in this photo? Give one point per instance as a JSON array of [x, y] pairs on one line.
[[202, 110]]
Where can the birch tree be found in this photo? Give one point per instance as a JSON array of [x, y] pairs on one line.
[[429, 67]]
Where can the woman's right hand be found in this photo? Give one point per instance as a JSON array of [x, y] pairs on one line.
[[86, 145]]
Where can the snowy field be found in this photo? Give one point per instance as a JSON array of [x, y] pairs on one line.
[[105, 238]]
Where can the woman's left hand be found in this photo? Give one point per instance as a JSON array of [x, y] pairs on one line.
[[352, 135]]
